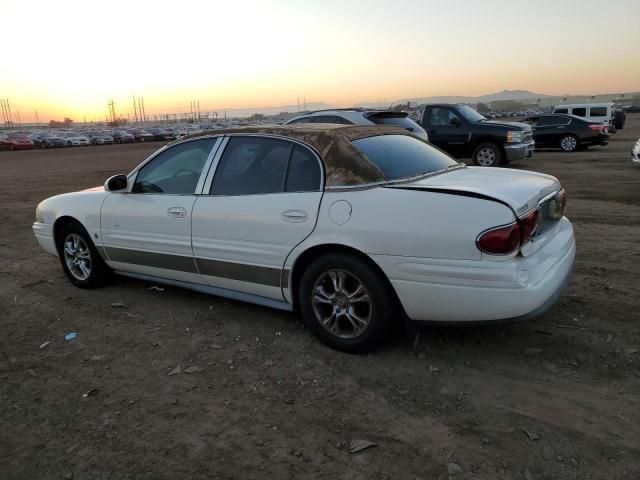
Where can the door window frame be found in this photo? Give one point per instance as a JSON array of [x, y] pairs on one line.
[[213, 166], [133, 175]]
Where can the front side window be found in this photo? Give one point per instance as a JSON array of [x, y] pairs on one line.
[[175, 171], [442, 117], [561, 110], [258, 165], [598, 111], [403, 156], [579, 111], [326, 119]]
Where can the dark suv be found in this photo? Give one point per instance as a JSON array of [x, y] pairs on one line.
[[462, 132]]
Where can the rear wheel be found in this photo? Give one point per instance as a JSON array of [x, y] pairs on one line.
[[569, 143], [80, 260], [487, 155], [345, 303]]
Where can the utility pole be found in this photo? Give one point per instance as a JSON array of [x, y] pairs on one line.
[[135, 111], [141, 110], [199, 116], [298, 105], [144, 112], [18, 115], [37, 120], [4, 114]]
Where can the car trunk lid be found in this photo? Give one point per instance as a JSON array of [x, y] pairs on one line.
[[519, 190]]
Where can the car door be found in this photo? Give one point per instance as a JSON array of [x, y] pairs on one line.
[[147, 230], [260, 200], [549, 130], [448, 131]]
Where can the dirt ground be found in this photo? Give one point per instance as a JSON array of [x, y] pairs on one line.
[[557, 397]]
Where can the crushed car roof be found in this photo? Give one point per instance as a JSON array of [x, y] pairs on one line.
[[345, 165]]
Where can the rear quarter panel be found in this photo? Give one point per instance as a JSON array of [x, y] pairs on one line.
[[392, 221]]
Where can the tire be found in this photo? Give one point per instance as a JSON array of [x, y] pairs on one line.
[[487, 155], [360, 321], [569, 143], [79, 258]]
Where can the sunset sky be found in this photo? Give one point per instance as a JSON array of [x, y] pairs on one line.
[[69, 58]]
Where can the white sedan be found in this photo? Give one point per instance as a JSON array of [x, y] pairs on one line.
[[75, 139], [353, 226]]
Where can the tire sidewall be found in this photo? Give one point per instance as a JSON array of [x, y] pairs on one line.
[[99, 271], [382, 302]]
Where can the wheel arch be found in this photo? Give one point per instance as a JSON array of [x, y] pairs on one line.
[[60, 224], [315, 251]]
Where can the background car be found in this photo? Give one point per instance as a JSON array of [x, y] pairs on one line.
[[462, 132], [75, 139], [140, 135], [161, 134], [356, 116], [122, 136], [567, 132], [48, 140], [16, 141], [100, 138], [381, 223]]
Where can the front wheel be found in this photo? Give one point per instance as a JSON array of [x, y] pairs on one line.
[[569, 143], [80, 260], [345, 303], [487, 155]]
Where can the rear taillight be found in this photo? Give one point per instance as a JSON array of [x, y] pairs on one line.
[[598, 128], [500, 240], [508, 239]]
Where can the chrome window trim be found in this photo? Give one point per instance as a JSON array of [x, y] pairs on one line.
[[216, 162], [206, 187], [207, 165]]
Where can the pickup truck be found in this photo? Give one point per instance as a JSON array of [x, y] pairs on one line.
[[463, 133]]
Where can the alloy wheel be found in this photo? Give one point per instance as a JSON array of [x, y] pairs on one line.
[[341, 304], [568, 144], [77, 256]]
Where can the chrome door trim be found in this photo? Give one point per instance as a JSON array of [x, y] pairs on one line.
[[220, 292], [207, 165], [213, 166]]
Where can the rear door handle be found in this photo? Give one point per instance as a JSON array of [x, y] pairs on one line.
[[294, 216], [177, 212]]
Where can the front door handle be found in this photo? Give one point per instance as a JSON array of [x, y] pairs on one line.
[[177, 212], [294, 216]]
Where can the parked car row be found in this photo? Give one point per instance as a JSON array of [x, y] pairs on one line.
[[80, 137]]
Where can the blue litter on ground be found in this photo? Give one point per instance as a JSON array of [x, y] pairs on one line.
[[70, 336]]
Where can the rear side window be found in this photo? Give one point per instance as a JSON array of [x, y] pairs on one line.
[[598, 111], [561, 110], [580, 111], [326, 119], [300, 120], [258, 165], [548, 121], [402, 156], [304, 173], [404, 122]]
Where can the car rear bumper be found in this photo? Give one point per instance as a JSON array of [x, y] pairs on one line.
[[44, 236], [470, 291], [518, 151]]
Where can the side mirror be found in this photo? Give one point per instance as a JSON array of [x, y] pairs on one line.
[[455, 121], [116, 183]]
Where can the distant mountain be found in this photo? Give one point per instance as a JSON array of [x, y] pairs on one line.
[[503, 95]]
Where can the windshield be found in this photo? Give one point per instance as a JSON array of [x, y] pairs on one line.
[[403, 156], [470, 114]]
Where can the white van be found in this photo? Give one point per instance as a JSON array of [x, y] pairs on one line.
[[593, 112]]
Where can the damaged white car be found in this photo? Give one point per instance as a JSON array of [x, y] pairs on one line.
[[355, 227]]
